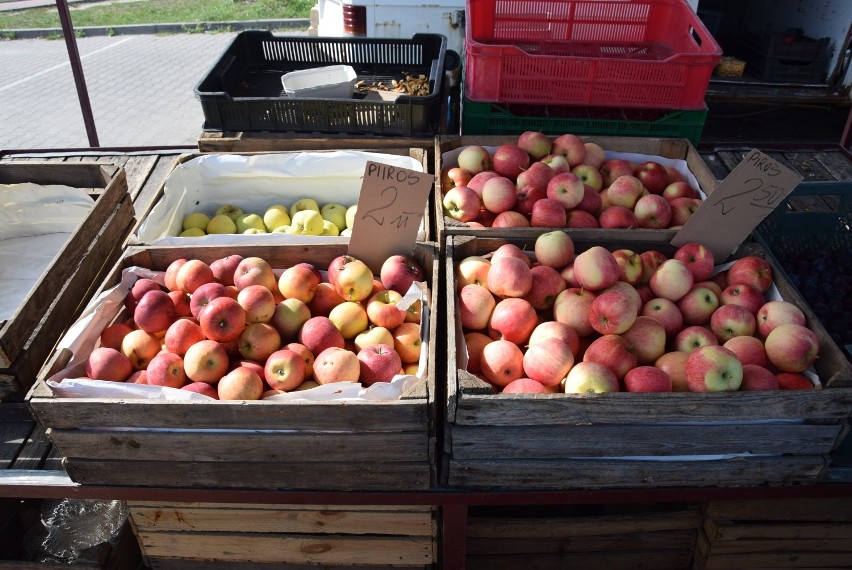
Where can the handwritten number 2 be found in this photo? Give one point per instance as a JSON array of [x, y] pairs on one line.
[[372, 213]]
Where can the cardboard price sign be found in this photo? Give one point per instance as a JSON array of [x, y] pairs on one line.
[[390, 210], [754, 188]]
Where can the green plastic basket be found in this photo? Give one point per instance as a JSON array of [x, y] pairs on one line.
[[810, 237], [483, 118]]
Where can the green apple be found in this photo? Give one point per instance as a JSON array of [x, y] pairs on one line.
[[329, 229], [196, 220], [304, 204], [254, 231], [231, 211], [307, 223], [247, 221], [221, 224], [350, 215], [282, 229], [336, 214], [192, 232], [276, 216]]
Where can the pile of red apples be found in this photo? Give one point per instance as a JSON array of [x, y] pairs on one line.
[[564, 182], [610, 321], [237, 329]]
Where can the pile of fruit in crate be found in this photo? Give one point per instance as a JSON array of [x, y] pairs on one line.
[[608, 321], [304, 217], [237, 330], [563, 182]]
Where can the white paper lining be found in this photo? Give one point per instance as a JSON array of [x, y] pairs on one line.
[[82, 338], [35, 223], [254, 183]]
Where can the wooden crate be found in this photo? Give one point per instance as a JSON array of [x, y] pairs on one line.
[[378, 445], [665, 147], [27, 338], [276, 142], [426, 232], [781, 533], [557, 441], [174, 536], [615, 537]]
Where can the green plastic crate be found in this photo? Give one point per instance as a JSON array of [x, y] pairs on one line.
[[810, 237], [482, 118]]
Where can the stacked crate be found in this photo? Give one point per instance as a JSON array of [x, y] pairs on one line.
[[644, 67]]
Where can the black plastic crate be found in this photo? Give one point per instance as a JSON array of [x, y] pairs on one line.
[[242, 91], [810, 235], [788, 57]]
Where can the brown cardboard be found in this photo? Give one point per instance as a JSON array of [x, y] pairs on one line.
[[754, 188], [390, 210]]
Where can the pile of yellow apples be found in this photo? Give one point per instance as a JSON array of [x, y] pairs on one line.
[[304, 217]]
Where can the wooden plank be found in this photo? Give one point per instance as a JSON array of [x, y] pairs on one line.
[[355, 416], [835, 162], [546, 441], [771, 560], [138, 169], [811, 509], [364, 476], [794, 530], [53, 461], [781, 544], [143, 200], [284, 548], [282, 507], [570, 409], [719, 170], [226, 446], [237, 518], [630, 541], [622, 560], [184, 564], [13, 436], [558, 527], [807, 166], [267, 142], [596, 474], [34, 451]]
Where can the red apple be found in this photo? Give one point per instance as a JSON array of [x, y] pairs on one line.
[[155, 312], [624, 191], [589, 176], [166, 369], [612, 312], [729, 321], [224, 268], [325, 299], [557, 163], [572, 307], [501, 362], [596, 268], [535, 143], [240, 384], [474, 159], [170, 276], [595, 155], [744, 295], [591, 378], [682, 210], [258, 340], [205, 361], [571, 147], [182, 334], [613, 168], [698, 259], [137, 291], [526, 196], [793, 381], [629, 265], [557, 330], [475, 342], [694, 337], [751, 270], [478, 181], [454, 176], [548, 361], [258, 303], [499, 194], [615, 217], [646, 338], [512, 319], [748, 349], [112, 335], [567, 189], [203, 295], [698, 305], [713, 369], [653, 212], [611, 351], [354, 281], [653, 176], [581, 219], [509, 277], [223, 320], [547, 213], [379, 363], [181, 303], [791, 348], [666, 313], [647, 379], [407, 342], [254, 271], [509, 160], [526, 386], [672, 280], [554, 249], [140, 347], [776, 313], [319, 333], [651, 260], [757, 378], [108, 364], [192, 275], [201, 388], [547, 284], [679, 189], [674, 364], [591, 202]]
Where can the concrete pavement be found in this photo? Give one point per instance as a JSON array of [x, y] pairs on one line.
[[140, 88]]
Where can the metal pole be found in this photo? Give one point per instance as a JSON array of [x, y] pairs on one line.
[[77, 69]]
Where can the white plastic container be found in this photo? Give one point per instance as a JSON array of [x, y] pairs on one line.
[[331, 82]]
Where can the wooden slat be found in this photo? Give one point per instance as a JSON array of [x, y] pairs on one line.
[[805, 164], [822, 510], [284, 548], [580, 527], [835, 162], [781, 544], [541, 442], [719, 170], [280, 507], [357, 416], [184, 564], [33, 453], [622, 560], [266, 142], [629, 541], [595, 474], [226, 446], [720, 531], [236, 518], [143, 200], [13, 436], [771, 560], [365, 476]]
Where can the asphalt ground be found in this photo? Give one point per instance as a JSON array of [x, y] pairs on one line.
[[140, 84]]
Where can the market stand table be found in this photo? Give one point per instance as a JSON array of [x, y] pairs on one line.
[[32, 469]]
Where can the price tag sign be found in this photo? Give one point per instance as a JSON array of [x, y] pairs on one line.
[[390, 210], [754, 188]]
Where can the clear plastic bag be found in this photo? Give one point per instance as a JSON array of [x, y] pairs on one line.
[[71, 526]]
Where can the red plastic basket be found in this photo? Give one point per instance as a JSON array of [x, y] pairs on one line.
[[616, 53]]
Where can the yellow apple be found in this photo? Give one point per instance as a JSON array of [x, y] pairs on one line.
[[192, 232], [304, 204], [307, 222], [253, 231], [221, 224], [329, 229], [247, 221], [196, 220], [231, 211], [276, 216], [336, 214], [347, 232], [350, 215], [350, 318], [282, 230], [374, 335]]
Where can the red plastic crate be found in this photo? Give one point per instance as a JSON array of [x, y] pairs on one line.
[[615, 53]]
